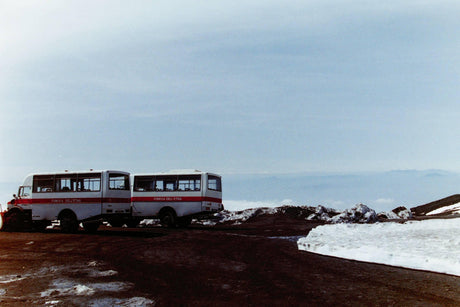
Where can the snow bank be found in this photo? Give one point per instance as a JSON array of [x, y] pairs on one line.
[[431, 245]]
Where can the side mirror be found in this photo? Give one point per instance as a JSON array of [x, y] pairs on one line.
[[14, 196]]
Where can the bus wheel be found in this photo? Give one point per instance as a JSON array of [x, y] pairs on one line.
[[168, 218], [13, 220], [91, 226], [69, 223]]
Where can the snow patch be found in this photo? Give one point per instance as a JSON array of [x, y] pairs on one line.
[[149, 223], [67, 288], [452, 209], [111, 286], [102, 273], [322, 214], [431, 245], [130, 302], [397, 213], [242, 216], [357, 214], [11, 278], [70, 288]]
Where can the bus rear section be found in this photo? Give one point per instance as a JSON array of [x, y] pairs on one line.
[[176, 197], [87, 197]]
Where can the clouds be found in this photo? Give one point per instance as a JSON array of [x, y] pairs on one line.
[[230, 85]]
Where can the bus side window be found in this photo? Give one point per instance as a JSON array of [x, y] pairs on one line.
[[159, 185], [65, 182], [89, 182], [43, 183], [189, 182], [166, 183], [143, 184], [214, 183], [170, 185], [118, 182]]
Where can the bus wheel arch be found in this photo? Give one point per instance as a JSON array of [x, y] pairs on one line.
[[168, 217], [68, 221]]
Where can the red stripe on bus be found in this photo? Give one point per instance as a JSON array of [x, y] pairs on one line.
[[72, 200], [116, 200], [175, 199]]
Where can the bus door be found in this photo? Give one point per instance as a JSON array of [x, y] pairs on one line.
[[212, 199], [116, 198]]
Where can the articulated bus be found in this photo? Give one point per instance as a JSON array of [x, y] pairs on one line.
[[176, 197], [86, 197]]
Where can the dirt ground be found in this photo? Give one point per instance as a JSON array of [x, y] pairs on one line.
[[253, 264]]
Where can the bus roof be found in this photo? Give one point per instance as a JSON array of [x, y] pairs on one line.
[[77, 172], [176, 172]]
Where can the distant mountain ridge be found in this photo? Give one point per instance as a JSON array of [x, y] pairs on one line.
[[382, 191]]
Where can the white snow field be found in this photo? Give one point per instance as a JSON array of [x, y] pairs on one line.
[[432, 245]]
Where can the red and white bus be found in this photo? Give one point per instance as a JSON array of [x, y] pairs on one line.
[[176, 197], [87, 197]]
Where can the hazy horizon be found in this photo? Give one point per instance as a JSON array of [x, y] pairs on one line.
[[381, 191], [229, 86]]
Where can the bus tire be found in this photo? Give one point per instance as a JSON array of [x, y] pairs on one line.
[[91, 226], [13, 220], [168, 218], [68, 220]]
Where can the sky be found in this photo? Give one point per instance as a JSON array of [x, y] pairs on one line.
[[233, 87]]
